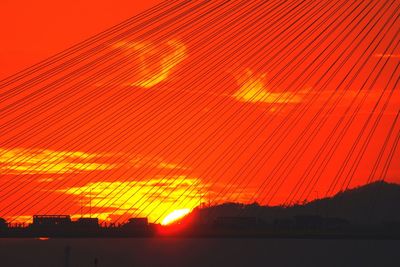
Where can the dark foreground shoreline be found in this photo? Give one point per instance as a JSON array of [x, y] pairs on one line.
[[207, 235], [198, 252]]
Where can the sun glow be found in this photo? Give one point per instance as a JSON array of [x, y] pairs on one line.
[[174, 216], [151, 198]]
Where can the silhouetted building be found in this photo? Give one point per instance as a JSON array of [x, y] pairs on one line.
[[51, 225], [87, 222], [136, 227], [137, 222], [51, 220]]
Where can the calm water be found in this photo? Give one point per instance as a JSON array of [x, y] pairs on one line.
[[199, 252]]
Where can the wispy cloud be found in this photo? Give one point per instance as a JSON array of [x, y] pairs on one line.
[[159, 193], [155, 163], [35, 161], [155, 67], [168, 62], [252, 89]]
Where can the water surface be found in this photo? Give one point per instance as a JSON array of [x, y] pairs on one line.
[[199, 252]]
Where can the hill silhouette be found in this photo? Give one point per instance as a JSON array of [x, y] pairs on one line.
[[374, 203]]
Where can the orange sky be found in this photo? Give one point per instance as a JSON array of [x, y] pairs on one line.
[[196, 114], [35, 30]]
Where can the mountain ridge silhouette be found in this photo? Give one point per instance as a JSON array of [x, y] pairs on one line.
[[374, 203]]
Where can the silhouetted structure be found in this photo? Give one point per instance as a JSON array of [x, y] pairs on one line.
[[51, 220], [87, 223], [137, 222], [260, 221]]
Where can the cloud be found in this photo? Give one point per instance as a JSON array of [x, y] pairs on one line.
[[168, 62], [35, 161], [45, 161], [126, 197], [150, 56], [252, 89]]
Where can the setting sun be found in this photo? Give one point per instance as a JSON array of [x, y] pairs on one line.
[[174, 216]]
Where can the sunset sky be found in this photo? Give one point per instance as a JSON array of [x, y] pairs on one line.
[[256, 101], [35, 30]]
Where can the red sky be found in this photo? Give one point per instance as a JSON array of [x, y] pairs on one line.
[[231, 110], [35, 30]]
